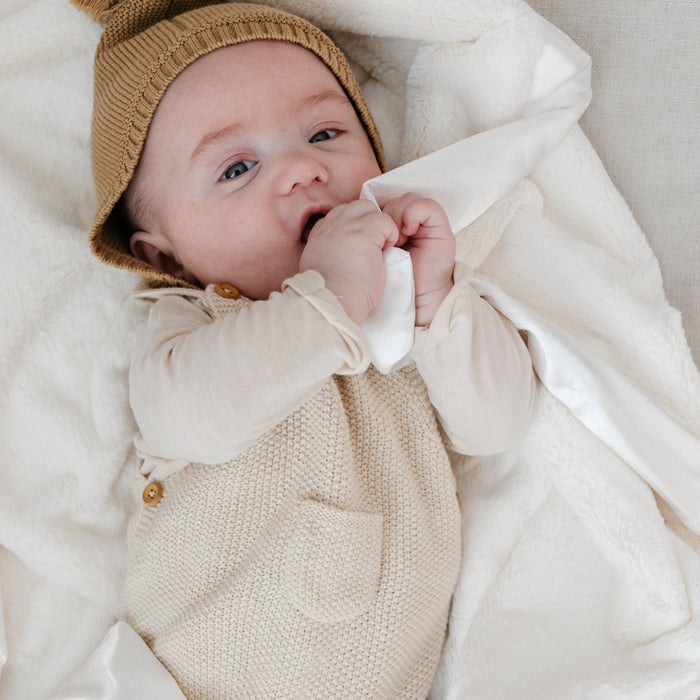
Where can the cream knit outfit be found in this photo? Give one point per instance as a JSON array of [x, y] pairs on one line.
[[311, 553]]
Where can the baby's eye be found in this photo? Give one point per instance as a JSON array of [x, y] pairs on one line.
[[323, 135], [239, 168]]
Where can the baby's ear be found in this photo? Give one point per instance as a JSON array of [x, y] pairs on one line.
[[156, 250]]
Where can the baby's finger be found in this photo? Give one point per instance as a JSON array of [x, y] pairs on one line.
[[358, 218], [352, 210], [396, 208], [383, 226], [425, 216]]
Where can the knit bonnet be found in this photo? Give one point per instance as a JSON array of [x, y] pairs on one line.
[[144, 47]]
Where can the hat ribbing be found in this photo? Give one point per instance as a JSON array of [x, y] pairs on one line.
[[144, 47]]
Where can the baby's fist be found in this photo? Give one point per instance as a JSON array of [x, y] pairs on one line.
[[424, 231], [346, 248]]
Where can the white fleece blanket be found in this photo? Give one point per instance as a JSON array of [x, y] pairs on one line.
[[577, 581]]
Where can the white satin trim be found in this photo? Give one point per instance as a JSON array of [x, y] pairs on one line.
[[614, 409], [389, 328], [121, 668], [481, 168]]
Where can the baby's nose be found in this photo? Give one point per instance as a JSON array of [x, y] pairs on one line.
[[301, 170]]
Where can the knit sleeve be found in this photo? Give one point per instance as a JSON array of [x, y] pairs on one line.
[[478, 371], [204, 386]]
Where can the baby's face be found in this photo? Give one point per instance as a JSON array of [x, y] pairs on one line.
[[248, 144]]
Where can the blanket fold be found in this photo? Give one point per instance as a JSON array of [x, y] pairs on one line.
[[482, 167]]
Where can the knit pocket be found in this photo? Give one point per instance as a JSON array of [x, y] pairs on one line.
[[333, 561]]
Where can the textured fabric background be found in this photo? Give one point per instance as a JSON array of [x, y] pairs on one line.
[[643, 121]]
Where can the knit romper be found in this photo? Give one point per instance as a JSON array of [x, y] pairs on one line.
[[319, 563]]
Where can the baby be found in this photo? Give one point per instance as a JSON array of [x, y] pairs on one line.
[[300, 532]]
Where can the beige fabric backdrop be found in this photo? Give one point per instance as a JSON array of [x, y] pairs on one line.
[[643, 121]]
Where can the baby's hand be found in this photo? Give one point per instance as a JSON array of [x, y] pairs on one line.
[[346, 248], [424, 232]]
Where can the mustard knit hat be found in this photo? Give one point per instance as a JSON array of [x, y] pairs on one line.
[[144, 47]]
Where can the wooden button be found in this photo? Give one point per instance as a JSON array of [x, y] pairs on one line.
[[152, 494], [227, 291]]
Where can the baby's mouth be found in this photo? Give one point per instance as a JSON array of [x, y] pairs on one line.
[[310, 222]]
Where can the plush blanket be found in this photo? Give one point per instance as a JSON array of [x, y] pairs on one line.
[[578, 580]]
